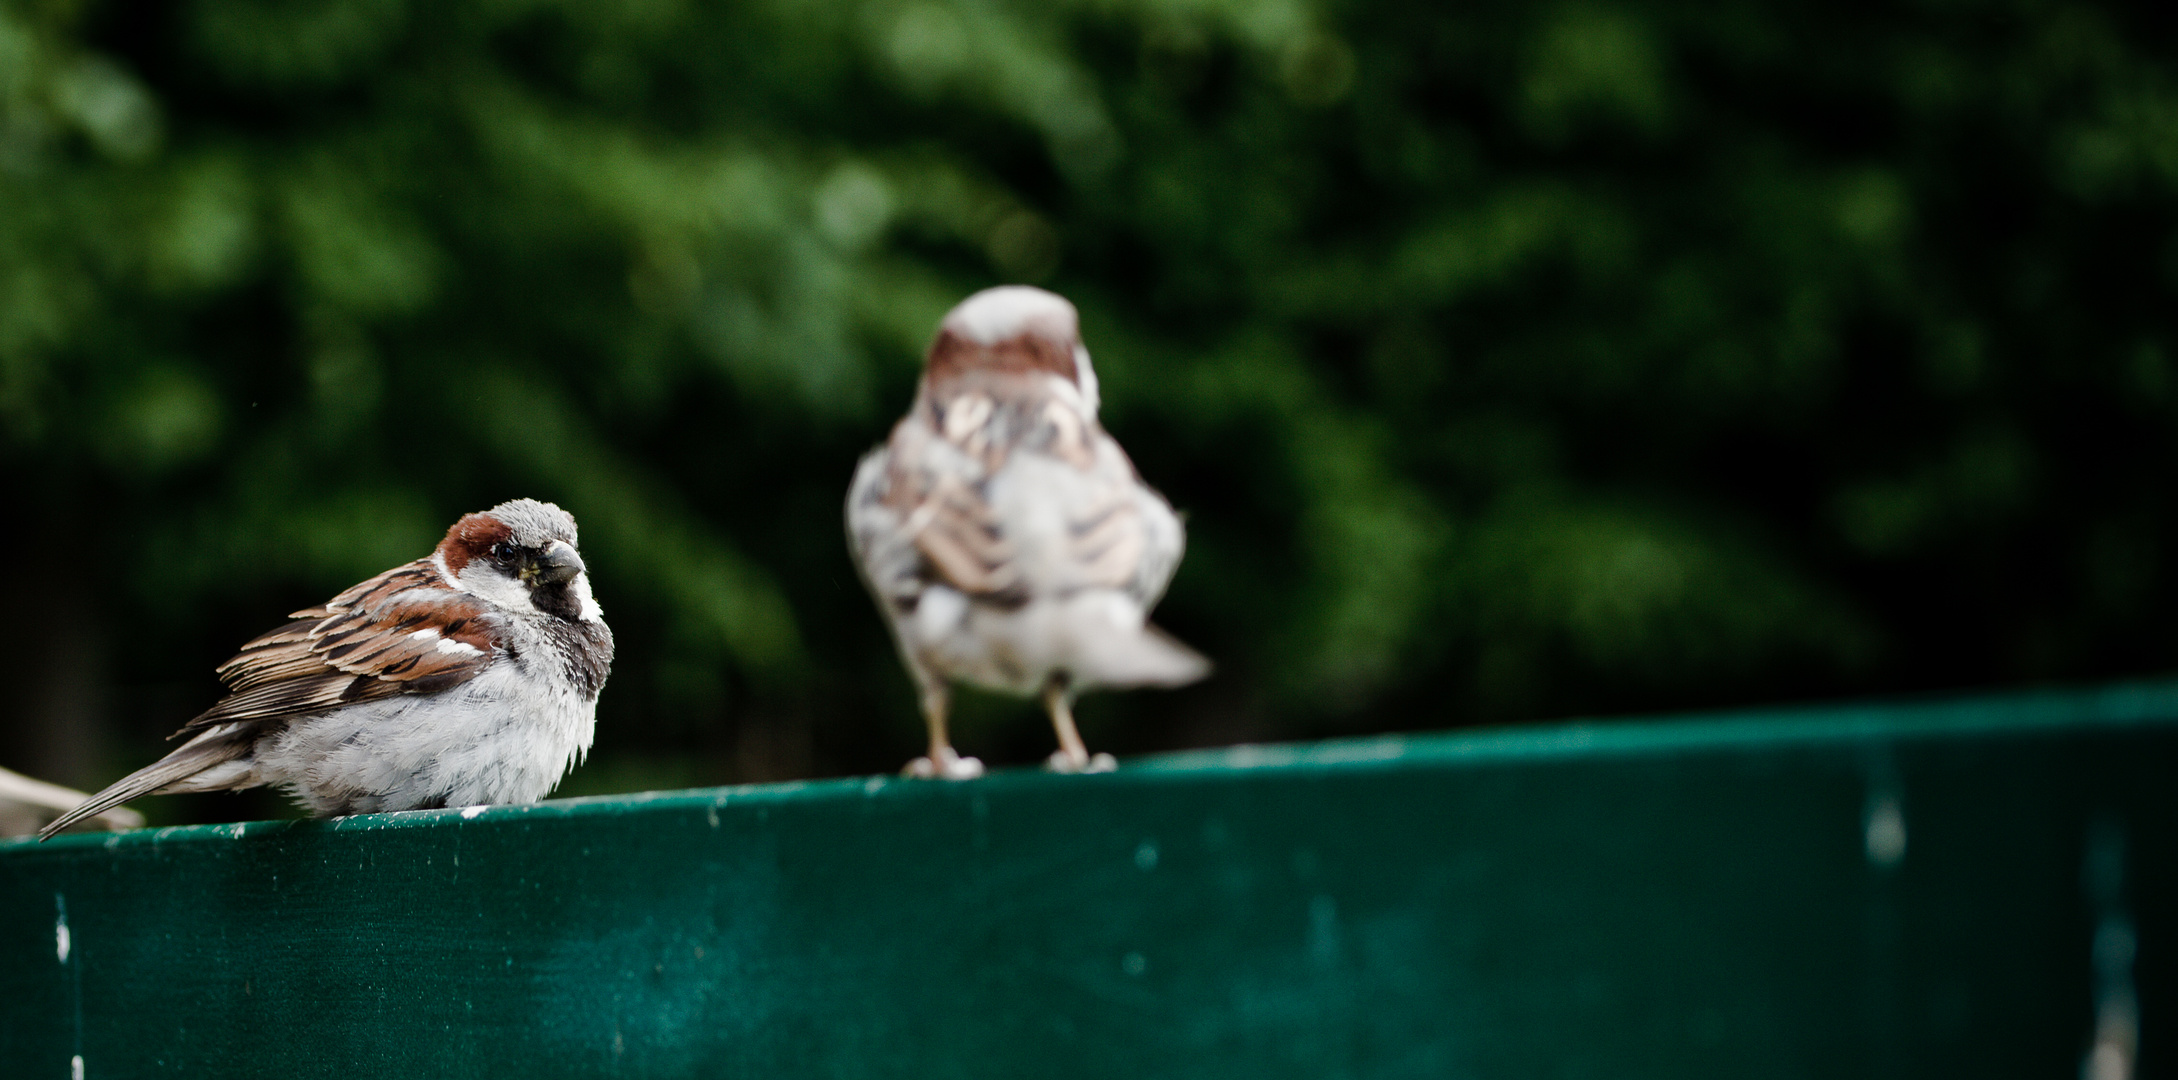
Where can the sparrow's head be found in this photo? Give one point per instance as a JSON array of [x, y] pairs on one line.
[[1013, 329], [521, 556]]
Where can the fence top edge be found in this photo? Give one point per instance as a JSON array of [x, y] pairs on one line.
[[2115, 707]]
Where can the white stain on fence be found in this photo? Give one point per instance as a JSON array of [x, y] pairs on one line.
[[1884, 832]]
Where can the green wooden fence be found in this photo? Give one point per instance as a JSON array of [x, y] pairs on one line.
[[1974, 889]]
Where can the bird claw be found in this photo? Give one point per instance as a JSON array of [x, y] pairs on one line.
[[1060, 762], [948, 766]]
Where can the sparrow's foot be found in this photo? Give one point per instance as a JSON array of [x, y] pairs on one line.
[[945, 765], [1062, 762]]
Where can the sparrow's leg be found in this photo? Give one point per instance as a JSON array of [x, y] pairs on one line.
[[1073, 755], [943, 762]]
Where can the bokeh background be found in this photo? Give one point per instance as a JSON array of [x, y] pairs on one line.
[[1512, 360]]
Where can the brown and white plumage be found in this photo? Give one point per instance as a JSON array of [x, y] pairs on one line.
[[367, 643], [1006, 536], [468, 676]]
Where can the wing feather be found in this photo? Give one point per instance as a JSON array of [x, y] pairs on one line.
[[1105, 545], [963, 541], [404, 631]]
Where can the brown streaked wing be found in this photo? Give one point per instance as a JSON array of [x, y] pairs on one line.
[[957, 533], [401, 639], [369, 642], [1106, 544], [294, 697], [416, 575]]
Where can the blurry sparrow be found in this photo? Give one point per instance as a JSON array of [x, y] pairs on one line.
[[469, 676], [1007, 539]]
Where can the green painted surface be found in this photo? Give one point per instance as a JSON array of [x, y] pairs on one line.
[[1717, 897]]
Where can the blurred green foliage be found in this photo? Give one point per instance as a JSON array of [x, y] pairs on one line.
[[1512, 359]]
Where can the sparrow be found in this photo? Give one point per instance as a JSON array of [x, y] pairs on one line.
[[1007, 539], [469, 676]]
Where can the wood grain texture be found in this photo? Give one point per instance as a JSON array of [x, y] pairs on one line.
[[1696, 898]]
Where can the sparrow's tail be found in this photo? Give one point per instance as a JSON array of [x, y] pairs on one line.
[[213, 760], [1148, 657]]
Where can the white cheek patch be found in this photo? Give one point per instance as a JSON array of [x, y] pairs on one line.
[[511, 595], [585, 603], [497, 588]]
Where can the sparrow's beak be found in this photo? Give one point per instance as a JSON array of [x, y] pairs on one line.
[[557, 566]]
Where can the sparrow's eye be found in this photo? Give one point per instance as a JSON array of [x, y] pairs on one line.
[[502, 551]]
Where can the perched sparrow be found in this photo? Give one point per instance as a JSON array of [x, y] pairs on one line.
[[1008, 539], [469, 676]]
